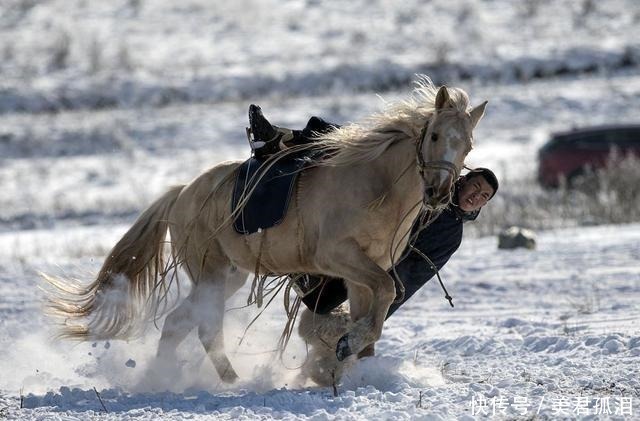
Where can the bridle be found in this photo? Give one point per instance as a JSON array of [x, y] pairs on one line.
[[424, 166]]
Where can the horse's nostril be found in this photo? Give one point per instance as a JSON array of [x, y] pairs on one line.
[[429, 191]]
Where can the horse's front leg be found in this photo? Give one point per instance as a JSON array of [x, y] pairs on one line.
[[359, 302], [349, 262]]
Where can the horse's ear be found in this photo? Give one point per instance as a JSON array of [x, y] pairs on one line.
[[477, 113], [442, 98]]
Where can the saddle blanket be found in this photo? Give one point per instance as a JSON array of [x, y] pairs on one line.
[[267, 205]]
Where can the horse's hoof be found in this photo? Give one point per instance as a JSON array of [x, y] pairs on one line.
[[342, 349]]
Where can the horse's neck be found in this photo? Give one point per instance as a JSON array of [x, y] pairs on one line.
[[399, 165], [399, 205]]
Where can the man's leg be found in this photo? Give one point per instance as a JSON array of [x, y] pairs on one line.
[[321, 294], [274, 139], [316, 126]]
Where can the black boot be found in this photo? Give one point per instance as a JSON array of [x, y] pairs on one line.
[[260, 127], [273, 137]]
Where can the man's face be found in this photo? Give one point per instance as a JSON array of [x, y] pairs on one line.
[[474, 193]]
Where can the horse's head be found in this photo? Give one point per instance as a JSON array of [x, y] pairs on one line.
[[444, 146]]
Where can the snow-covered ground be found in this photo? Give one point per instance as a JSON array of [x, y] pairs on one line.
[[70, 54], [555, 329], [103, 105]]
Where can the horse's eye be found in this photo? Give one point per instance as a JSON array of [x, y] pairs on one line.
[[434, 137]]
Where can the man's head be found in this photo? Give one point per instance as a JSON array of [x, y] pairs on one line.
[[476, 188]]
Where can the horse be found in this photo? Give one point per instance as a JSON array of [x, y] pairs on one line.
[[350, 214]]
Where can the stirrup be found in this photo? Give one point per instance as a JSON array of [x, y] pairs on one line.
[[260, 127], [253, 144]]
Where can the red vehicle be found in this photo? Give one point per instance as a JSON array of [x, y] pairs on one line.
[[569, 154]]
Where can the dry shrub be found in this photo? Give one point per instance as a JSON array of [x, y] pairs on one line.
[[610, 195]]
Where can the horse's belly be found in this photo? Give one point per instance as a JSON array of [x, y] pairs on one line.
[[274, 250]]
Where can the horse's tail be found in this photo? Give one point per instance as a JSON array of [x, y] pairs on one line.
[[129, 287]]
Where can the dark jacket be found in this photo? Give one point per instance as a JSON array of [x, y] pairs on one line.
[[438, 242]]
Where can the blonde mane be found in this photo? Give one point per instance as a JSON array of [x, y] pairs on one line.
[[399, 121]]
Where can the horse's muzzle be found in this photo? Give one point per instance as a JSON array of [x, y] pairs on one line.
[[436, 198], [433, 198], [435, 202]]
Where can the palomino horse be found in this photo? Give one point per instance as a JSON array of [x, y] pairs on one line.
[[350, 215]]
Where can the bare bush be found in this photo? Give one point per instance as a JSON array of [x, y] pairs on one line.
[[610, 195], [617, 190], [95, 55], [588, 7], [530, 8], [135, 6], [8, 53], [124, 57], [60, 51], [442, 50]]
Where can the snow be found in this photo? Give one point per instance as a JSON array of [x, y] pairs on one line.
[[557, 322], [103, 105]]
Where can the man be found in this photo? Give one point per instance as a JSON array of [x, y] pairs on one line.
[[438, 241]]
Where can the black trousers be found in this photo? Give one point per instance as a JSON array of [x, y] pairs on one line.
[[330, 294]]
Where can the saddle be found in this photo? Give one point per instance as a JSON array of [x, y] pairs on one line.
[[267, 205]]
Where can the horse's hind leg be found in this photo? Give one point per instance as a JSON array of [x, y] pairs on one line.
[[211, 298], [165, 369], [203, 307], [177, 326]]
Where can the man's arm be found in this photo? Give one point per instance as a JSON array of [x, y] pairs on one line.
[[415, 272], [438, 241]]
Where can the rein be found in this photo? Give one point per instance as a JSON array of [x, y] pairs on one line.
[[425, 257]]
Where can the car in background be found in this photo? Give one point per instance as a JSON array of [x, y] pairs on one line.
[[569, 155]]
